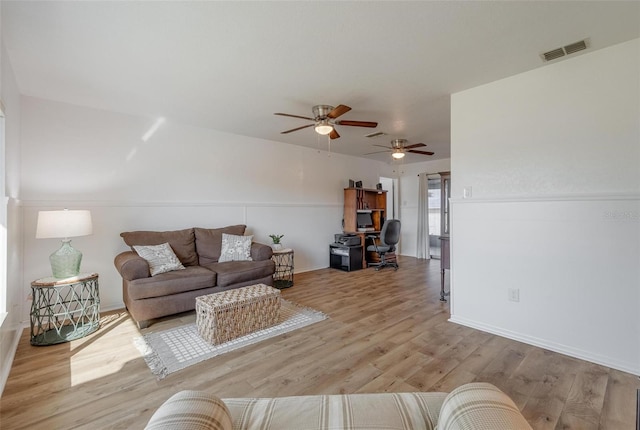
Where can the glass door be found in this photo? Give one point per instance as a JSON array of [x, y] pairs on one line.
[[445, 193], [435, 202]]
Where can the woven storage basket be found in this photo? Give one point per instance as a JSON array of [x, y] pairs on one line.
[[221, 317]]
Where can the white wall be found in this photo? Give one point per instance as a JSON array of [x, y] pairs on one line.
[[407, 175], [553, 156], [181, 177], [10, 220]]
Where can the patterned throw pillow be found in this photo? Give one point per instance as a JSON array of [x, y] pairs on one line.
[[235, 248], [161, 258]]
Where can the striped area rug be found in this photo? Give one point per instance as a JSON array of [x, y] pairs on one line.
[[174, 349]]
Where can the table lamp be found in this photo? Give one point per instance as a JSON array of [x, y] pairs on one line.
[[65, 262]]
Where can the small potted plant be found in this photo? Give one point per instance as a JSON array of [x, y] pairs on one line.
[[275, 238]]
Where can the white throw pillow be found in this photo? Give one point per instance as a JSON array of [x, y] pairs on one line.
[[161, 258], [235, 248]]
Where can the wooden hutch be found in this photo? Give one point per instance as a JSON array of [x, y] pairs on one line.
[[364, 199]]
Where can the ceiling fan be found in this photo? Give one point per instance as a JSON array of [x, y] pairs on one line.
[[324, 120], [399, 147]]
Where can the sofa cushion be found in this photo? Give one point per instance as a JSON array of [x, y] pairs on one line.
[[208, 241], [191, 410], [389, 411], [161, 258], [191, 278], [481, 406], [182, 242], [235, 272]]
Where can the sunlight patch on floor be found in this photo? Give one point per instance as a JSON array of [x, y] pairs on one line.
[[90, 361]]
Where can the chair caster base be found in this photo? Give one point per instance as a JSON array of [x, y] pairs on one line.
[[382, 266]]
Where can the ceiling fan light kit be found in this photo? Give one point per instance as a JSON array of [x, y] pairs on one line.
[[398, 155], [323, 127], [324, 120]]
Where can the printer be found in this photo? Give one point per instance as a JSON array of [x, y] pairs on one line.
[[347, 239]]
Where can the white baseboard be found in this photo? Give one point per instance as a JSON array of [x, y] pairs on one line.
[[633, 368], [5, 366]]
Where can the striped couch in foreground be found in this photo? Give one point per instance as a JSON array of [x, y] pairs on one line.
[[474, 406]]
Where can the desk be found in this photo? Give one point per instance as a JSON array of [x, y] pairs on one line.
[[367, 257], [64, 309], [344, 257]]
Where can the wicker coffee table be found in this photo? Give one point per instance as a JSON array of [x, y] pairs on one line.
[[221, 317]]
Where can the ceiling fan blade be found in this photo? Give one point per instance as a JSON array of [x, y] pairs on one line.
[[334, 134], [377, 152], [415, 145], [420, 152], [358, 123], [382, 146], [296, 129], [294, 116], [337, 111]]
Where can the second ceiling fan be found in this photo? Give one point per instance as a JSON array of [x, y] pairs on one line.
[[399, 147], [324, 120]]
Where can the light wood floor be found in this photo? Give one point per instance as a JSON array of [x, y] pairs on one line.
[[387, 332]]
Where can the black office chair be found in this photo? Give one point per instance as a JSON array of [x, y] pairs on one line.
[[389, 237]]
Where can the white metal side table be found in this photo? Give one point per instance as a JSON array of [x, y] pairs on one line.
[[283, 276], [64, 309]]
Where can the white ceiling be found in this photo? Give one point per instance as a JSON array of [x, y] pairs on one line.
[[230, 65]]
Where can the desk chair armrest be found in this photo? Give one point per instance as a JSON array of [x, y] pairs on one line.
[[373, 238]]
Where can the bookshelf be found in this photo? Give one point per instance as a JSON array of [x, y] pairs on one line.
[[356, 199]]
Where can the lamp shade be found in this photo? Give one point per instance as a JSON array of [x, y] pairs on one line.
[[63, 224]]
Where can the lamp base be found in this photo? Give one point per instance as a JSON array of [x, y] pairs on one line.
[[65, 262]]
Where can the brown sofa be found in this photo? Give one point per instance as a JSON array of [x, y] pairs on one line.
[[198, 249]]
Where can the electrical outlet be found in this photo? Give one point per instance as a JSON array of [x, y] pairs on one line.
[[514, 294], [467, 192]]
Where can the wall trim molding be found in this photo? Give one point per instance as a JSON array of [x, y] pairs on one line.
[[550, 198], [114, 204], [5, 368], [633, 368]]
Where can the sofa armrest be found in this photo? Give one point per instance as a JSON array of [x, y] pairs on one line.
[[260, 251], [481, 406], [191, 410], [131, 266]]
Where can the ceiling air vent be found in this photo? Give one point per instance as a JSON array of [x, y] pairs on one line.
[[566, 50], [575, 47], [375, 134], [552, 55]]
